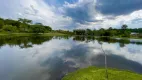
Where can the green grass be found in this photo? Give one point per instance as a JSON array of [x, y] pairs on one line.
[[29, 34], [94, 73], [131, 37], [54, 34]]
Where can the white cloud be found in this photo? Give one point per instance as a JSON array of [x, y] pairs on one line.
[[125, 52], [37, 10], [118, 20], [40, 11]]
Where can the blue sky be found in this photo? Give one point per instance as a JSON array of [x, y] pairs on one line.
[[74, 14]]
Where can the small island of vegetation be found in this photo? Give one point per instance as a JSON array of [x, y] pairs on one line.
[[94, 73]]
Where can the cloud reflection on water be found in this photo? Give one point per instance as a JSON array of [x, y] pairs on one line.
[[55, 58]]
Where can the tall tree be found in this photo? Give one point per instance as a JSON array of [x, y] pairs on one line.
[[110, 28], [25, 21], [48, 28], [1, 24], [24, 25], [37, 29], [10, 28], [124, 26]]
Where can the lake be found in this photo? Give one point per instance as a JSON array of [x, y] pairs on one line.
[[51, 58]]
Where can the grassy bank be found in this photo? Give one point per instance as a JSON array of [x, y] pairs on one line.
[[131, 37], [59, 34], [29, 34], [94, 73]]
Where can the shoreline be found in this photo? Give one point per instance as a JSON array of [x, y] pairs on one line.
[[30, 34], [61, 34]]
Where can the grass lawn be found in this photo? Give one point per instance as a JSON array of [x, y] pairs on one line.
[[54, 34], [29, 34], [131, 37], [94, 73]]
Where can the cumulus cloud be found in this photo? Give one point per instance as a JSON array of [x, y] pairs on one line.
[[37, 10], [118, 7], [81, 12], [98, 13], [71, 14]]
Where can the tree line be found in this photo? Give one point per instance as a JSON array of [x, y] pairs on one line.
[[27, 26], [122, 42], [23, 42], [123, 32], [23, 26]]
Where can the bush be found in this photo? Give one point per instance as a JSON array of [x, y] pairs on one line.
[[1, 24], [10, 28], [37, 29]]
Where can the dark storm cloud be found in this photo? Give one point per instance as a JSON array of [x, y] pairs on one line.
[[81, 13], [118, 7]]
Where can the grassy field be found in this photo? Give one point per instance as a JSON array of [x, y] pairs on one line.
[[131, 37], [29, 34], [56, 34], [94, 73]]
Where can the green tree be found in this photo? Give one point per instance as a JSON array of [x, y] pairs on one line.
[[24, 24], [12, 22], [79, 32], [125, 32], [110, 28], [39, 24], [124, 26], [25, 21], [113, 32], [1, 24], [48, 29], [37, 29], [89, 32], [95, 32], [10, 28], [101, 32]]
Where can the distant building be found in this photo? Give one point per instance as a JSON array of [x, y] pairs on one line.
[[133, 33], [136, 34]]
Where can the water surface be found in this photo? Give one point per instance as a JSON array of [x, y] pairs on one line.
[[50, 58]]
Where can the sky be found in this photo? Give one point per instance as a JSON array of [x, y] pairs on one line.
[[76, 14]]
